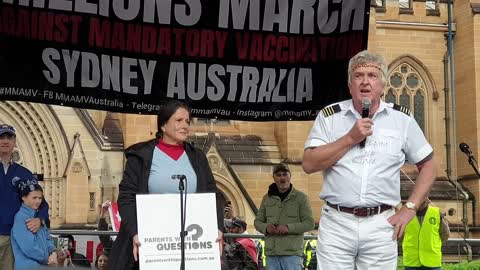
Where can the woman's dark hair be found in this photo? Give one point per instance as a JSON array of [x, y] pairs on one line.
[[166, 111], [105, 253]]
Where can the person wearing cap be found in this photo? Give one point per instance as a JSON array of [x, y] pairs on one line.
[[31, 249], [360, 144], [239, 253], [284, 216], [9, 173]]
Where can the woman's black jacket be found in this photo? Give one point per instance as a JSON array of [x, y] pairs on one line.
[[135, 181]]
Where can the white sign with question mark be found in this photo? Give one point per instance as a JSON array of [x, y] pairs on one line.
[[158, 217]]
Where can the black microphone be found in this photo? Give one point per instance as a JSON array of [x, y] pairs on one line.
[[179, 177], [466, 149], [366, 103]]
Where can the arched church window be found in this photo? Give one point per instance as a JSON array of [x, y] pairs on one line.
[[390, 97], [406, 87], [396, 80], [419, 109], [405, 98], [412, 80]]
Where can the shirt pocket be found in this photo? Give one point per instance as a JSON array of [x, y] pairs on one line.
[[389, 142], [271, 212]]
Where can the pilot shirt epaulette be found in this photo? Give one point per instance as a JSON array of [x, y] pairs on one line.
[[403, 109], [331, 110]]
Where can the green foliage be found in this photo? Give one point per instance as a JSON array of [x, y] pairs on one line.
[[473, 265]]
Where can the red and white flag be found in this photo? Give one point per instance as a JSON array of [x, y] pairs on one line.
[[114, 216]]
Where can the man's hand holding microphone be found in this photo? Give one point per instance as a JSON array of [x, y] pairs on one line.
[[363, 127]]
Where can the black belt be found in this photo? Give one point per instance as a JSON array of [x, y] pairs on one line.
[[362, 211]]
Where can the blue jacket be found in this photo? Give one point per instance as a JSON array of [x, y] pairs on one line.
[[30, 249], [10, 202]]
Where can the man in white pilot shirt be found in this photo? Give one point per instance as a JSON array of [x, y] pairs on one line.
[[359, 227]]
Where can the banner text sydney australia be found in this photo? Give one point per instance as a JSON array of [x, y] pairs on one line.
[[255, 60]]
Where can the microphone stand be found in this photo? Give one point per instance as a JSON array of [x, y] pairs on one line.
[[473, 163], [183, 211]]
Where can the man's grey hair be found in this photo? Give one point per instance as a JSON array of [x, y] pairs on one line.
[[366, 57]]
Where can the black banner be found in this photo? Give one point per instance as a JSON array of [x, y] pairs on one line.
[[257, 60]]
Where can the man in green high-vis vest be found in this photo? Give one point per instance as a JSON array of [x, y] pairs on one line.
[[423, 239]]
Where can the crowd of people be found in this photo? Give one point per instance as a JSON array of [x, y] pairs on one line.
[[359, 144]]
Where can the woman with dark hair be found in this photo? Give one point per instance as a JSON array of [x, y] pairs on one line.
[[148, 170], [102, 261]]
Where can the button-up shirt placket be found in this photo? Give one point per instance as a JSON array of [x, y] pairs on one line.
[[5, 166], [364, 165], [368, 158], [365, 173]]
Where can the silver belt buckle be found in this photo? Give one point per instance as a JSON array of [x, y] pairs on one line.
[[357, 209]]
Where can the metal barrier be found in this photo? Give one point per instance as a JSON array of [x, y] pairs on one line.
[[88, 244], [234, 235]]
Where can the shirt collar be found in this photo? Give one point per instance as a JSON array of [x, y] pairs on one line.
[[351, 109], [10, 161], [382, 107]]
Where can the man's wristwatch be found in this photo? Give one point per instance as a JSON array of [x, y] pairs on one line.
[[411, 205]]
